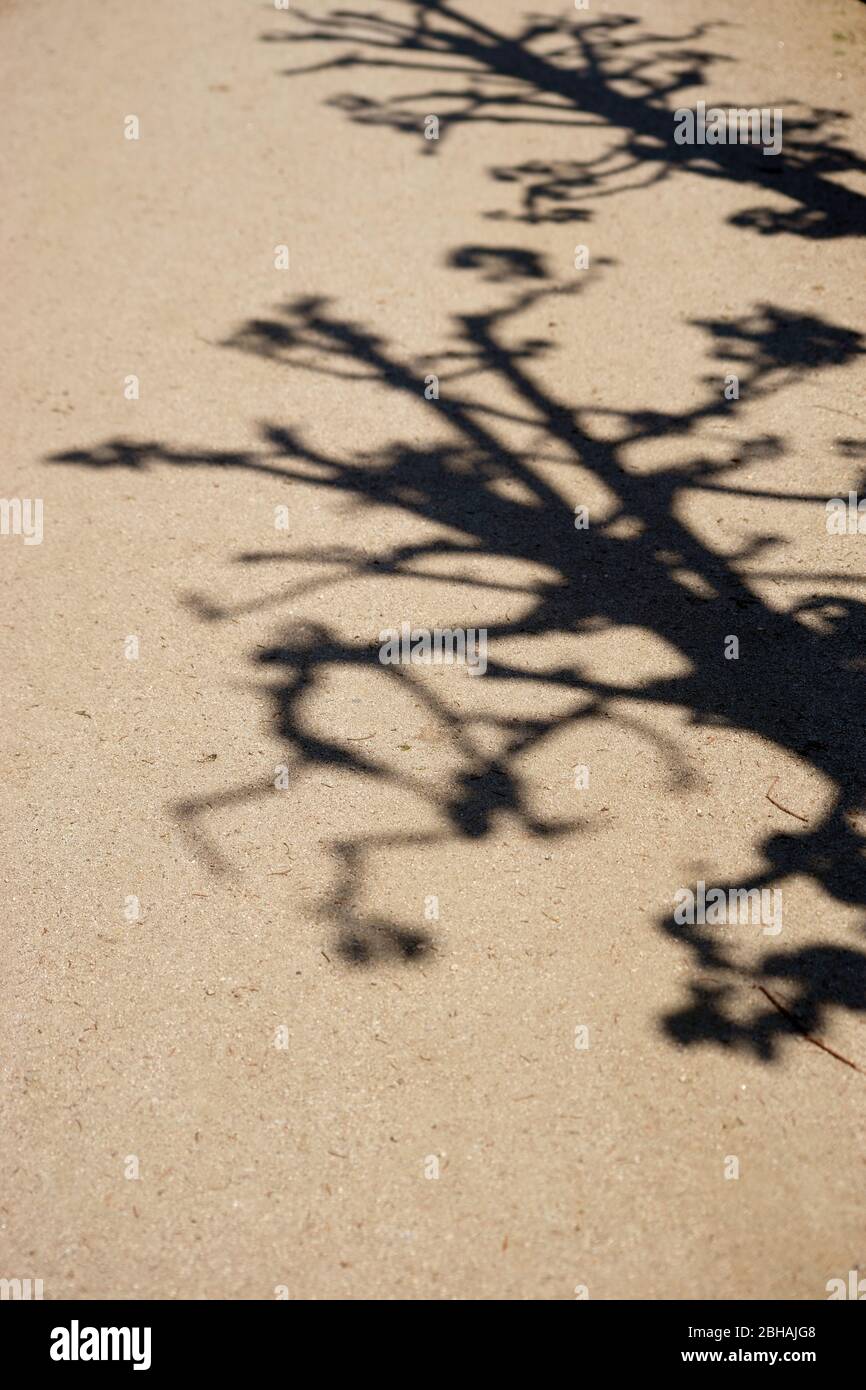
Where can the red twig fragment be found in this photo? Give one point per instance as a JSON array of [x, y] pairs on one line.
[[788, 812], [810, 1037]]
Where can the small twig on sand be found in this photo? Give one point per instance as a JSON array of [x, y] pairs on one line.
[[810, 1037], [788, 812]]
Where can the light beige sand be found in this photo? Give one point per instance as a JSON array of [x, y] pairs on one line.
[[308, 1166]]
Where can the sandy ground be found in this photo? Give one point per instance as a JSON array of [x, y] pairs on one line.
[[321, 1039]]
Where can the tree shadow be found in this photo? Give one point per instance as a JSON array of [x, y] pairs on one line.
[[609, 74], [478, 484], [797, 699]]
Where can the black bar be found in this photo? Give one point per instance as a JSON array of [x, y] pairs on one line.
[[237, 1337]]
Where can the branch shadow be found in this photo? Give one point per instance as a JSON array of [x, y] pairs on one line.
[[482, 491], [814, 682], [610, 74]]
